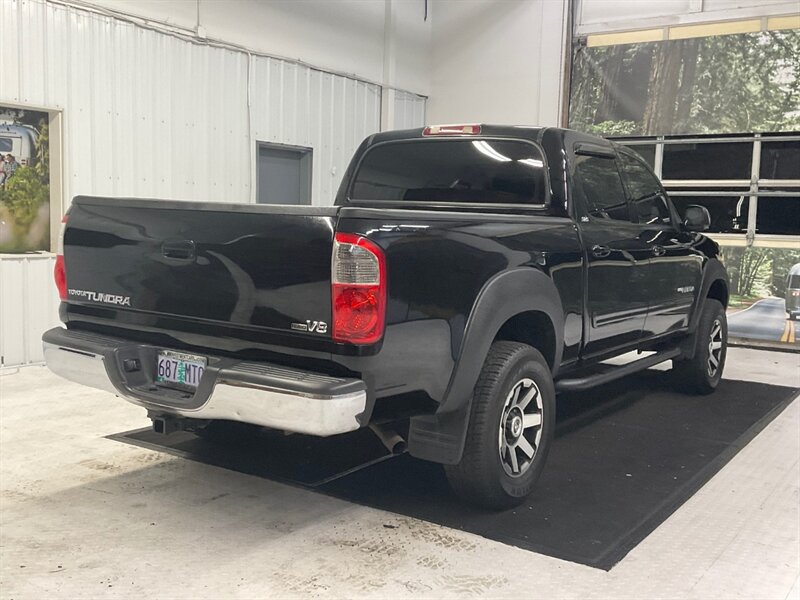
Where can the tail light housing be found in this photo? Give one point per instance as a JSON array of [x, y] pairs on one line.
[[59, 273], [358, 290]]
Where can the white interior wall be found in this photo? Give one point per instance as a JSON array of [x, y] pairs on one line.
[[496, 62], [28, 307], [151, 115], [343, 35]]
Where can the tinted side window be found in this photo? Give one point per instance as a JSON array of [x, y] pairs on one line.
[[649, 205], [597, 182]]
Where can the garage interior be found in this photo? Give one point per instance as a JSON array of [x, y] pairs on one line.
[[648, 493]]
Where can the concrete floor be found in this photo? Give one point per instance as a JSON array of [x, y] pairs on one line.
[[83, 516]]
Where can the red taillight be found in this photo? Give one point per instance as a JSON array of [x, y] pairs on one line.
[[59, 272], [61, 277], [451, 130], [795, 292], [358, 290]]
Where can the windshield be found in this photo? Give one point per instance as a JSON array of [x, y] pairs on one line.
[[457, 171]]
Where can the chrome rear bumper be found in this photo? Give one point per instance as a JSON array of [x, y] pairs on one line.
[[258, 393]]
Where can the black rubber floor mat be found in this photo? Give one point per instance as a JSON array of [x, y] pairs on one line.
[[300, 459], [625, 457]]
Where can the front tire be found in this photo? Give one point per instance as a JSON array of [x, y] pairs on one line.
[[702, 373], [510, 430]]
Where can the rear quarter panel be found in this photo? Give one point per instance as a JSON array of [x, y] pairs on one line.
[[437, 264]]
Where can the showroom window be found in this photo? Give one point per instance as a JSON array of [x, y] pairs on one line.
[[716, 160], [779, 215], [780, 160], [739, 202]]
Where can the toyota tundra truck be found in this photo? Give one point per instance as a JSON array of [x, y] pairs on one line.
[[464, 277]]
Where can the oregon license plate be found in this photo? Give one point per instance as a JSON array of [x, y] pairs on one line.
[[178, 369]]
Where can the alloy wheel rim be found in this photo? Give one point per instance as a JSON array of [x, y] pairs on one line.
[[520, 427], [714, 348]]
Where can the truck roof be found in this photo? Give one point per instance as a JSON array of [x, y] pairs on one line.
[[484, 129], [530, 132]]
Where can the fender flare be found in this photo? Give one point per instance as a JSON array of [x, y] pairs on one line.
[[440, 437], [714, 271]]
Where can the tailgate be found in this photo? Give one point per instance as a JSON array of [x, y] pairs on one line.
[[252, 266]]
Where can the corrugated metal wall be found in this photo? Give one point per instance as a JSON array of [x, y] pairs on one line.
[[181, 130], [303, 107], [29, 302], [147, 114], [409, 110]]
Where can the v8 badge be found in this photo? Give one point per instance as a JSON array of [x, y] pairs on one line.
[[311, 326]]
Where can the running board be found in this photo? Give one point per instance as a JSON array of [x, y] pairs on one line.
[[582, 383]]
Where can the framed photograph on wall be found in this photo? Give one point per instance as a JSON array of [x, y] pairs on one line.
[[29, 206]]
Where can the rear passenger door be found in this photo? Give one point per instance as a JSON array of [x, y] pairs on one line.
[[675, 267], [617, 257]]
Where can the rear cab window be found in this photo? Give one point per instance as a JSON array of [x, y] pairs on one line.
[[457, 171]]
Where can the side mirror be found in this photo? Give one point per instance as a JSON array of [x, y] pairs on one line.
[[696, 218]]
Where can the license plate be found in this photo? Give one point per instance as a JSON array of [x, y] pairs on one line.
[[178, 369]]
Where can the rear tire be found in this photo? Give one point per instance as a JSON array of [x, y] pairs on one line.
[[702, 373], [510, 429]]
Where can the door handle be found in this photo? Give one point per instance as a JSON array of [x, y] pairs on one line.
[[599, 251], [659, 251], [178, 249]]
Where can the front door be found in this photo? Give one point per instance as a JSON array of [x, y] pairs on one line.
[[617, 255], [676, 268]]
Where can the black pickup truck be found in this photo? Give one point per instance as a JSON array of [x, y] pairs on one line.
[[464, 277]]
